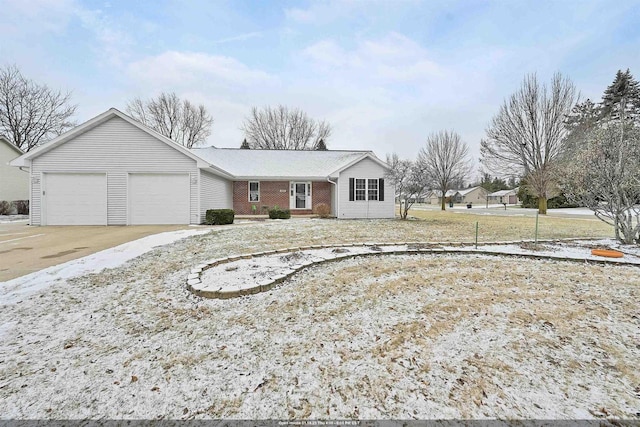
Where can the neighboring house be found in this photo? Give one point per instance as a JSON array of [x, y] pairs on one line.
[[14, 183], [471, 195], [435, 196], [113, 170], [468, 195], [509, 197]]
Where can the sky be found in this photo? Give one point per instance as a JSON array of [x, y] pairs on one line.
[[384, 74]]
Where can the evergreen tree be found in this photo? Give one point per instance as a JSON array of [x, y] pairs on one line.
[[245, 145], [622, 97], [584, 117], [321, 146], [493, 184]]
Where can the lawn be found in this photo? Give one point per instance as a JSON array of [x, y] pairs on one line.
[[444, 336]]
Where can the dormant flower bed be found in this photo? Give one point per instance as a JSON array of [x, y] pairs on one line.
[[259, 272]]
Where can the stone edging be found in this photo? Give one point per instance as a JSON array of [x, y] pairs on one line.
[[194, 278]]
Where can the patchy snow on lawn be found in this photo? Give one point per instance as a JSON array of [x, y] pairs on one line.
[[379, 337], [16, 289], [5, 219], [225, 278]]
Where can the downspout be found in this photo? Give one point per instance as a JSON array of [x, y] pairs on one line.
[[30, 190], [337, 196]]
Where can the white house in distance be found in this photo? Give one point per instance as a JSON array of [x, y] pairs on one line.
[[509, 197], [471, 195], [435, 196], [113, 170], [467, 195], [14, 183]]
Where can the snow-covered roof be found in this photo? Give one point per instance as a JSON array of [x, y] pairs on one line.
[[467, 190], [503, 193], [280, 163], [438, 193]]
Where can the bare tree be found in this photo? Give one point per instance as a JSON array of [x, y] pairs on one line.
[[605, 178], [30, 113], [527, 136], [409, 181], [179, 120], [444, 160], [283, 129]]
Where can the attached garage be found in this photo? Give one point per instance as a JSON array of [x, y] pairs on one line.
[[74, 199], [159, 198], [113, 170]]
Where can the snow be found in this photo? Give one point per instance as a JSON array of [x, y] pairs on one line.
[[420, 336], [263, 269], [15, 290], [573, 211], [5, 219]]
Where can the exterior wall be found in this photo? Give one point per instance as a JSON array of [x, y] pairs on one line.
[[14, 183], [276, 193], [369, 169], [510, 198], [215, 193], [321, 192], [117, 148], [479, 195]]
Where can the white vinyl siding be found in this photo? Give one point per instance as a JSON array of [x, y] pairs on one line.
[[14, 183], [75, 199], [369, 169], [216, 193], [117, 148]]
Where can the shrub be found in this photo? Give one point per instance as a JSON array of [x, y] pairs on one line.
[[277, 213], [322, 210], [5, 207], [22, 207], [219, 216]]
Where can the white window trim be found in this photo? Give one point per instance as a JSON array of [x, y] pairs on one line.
[[249, 191], [356, 189], [366, 190], [377, 181]]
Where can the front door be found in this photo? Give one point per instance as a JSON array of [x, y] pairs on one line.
[[300, 195]]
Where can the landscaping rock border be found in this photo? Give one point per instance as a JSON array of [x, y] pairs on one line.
[[197, 287]]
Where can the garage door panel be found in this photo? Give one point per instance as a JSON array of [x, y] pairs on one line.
[[75, 199], [159, 199]]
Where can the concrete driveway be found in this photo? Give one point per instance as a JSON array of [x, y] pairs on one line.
[[25, 249]]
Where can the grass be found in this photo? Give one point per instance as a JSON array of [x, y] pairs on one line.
[[461, 227], [431, 226], [381, 337]]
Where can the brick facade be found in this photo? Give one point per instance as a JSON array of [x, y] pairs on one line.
[[276, 193]]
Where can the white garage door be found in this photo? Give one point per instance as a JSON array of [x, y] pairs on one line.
[[75, 199], [159, 199]]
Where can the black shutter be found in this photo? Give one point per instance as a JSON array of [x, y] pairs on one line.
[[381, 190], [351, 189]]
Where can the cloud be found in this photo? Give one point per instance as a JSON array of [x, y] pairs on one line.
[[393, 58], [320, 13], [299, 15], [21, 18], [185, 69], [113, 43], [239, 37]]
